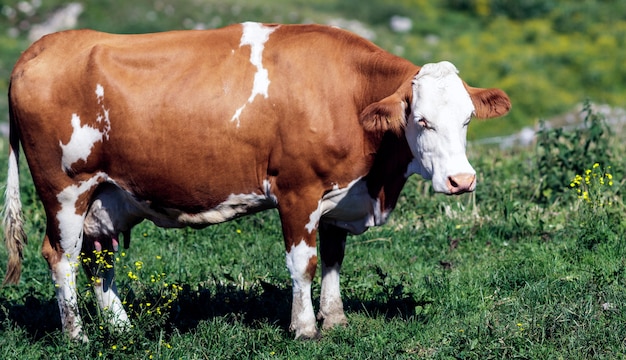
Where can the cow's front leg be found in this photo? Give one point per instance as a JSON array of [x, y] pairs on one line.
[[332, 248], [300, 230]]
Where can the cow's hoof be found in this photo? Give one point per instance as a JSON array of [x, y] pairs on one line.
[[80, 338], [334, 320], [307, 334], [312, 336]]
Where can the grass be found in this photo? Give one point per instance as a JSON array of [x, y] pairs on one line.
[[484, 276], [506, 272]]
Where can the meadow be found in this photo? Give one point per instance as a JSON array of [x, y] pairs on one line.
[[532, 265], [504, 272]]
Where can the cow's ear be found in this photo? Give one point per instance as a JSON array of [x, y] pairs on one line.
[[489, 103], [390, 113]]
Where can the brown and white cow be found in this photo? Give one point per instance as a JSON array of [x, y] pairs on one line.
[[193, 128]]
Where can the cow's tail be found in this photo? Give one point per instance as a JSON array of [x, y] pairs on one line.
[[14, 235]]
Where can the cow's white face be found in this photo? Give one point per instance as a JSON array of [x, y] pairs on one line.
[[437, 127]]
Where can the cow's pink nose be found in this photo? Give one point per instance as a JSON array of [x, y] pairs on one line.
[[461, 183]]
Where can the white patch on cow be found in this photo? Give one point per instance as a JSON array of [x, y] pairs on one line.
[[71, 223], [103, 116], [330, 283], [297, 259], [314, 218], [267, 188], [109, 301], [331, 306], [99, 92], [255, 35], [234, 206], [80, 144], [84, 137], [71, 233], [237, 115], [64, 277], [302, 315], [440, 99], [378, 216], [350, 208]]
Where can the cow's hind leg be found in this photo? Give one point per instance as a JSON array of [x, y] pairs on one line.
[[99, 264], [109, 214], [62, 246], [332, 247], [63, 266]]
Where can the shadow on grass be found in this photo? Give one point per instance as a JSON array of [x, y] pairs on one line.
[[39, 315], [36, 314], [272, 304]]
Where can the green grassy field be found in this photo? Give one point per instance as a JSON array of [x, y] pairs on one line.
[[499, 273], [526, 267]]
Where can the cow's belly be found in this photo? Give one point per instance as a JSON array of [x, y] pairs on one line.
[[114, 210], [352, 208], [236, 205]]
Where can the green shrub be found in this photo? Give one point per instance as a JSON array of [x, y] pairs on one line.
[[562, 153], [598, 211]]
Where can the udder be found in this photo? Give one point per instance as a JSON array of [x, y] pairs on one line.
[[112, 212]]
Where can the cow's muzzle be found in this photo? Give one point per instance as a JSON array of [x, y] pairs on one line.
[[461, 183]]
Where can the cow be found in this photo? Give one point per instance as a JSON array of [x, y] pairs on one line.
[[193, 128]]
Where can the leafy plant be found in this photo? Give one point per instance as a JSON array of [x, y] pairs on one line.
[[598, 210], [148, 296], [561, 153]]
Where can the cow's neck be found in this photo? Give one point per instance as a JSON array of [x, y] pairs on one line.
[[390, 153], [388, 173], [382, 75]]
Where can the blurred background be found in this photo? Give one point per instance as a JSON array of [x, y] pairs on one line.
[[548, 55]]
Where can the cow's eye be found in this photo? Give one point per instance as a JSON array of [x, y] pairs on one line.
[[425, 124]]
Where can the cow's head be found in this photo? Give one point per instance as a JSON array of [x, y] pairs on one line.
[[433, 111]]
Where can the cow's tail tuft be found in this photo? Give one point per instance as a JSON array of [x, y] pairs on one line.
[[14, 235]]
